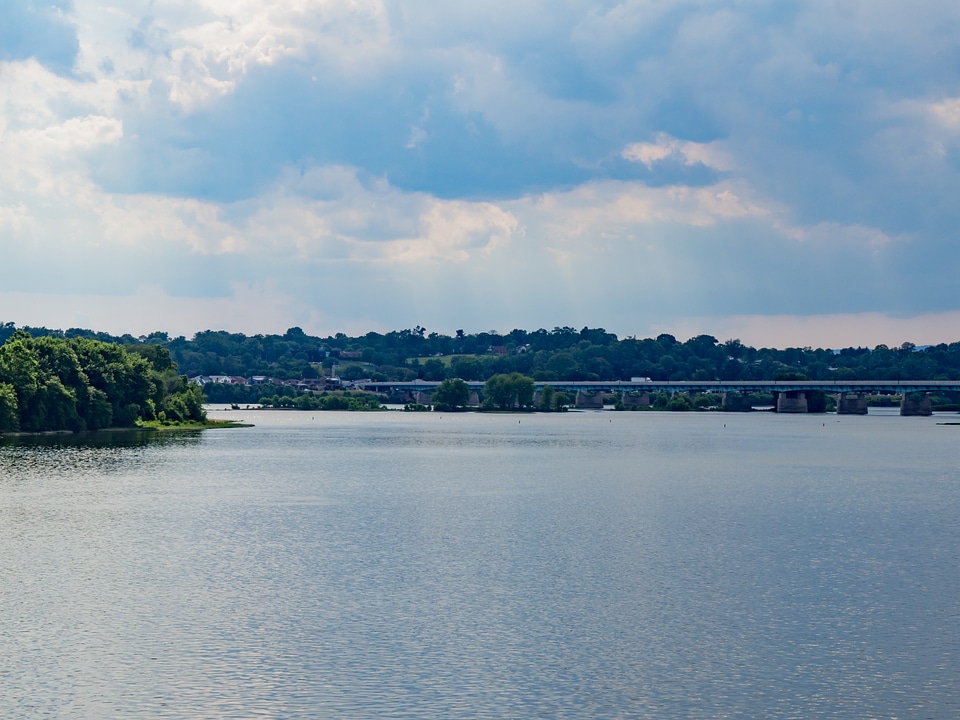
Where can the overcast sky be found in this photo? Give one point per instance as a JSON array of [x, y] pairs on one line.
[[782, 172]]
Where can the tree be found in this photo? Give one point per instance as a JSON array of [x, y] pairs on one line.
[[80, 383], [352, 372], [563, 364], [19, 368], [186, 403], [525, 389], [498, 392], [433, 369], [548, 398], [680, 402], [466, 368], [509, 391], [452, 394], [9, 412]]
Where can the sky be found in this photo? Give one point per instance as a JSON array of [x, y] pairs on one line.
[[777, 171]]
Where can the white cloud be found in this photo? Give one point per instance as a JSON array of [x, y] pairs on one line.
[[710, 155], [623, 209], [455, 231], [208, 49], [946, 112], [77, 133], [15, 218], [833, 233], [372, 222], [825, 156], [352, 221]]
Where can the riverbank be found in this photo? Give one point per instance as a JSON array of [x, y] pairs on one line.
[[165, 425]]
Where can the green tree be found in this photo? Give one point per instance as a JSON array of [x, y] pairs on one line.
[[54, 407], [20, 369], [98, 411], [508, 391], [525, 389], [466, 368], [564, 365], [186, 403], [548, 398], [433, 369], [679, 402], [9, 412], [451, 394]]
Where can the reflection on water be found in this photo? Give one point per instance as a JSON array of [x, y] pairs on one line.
[[589, 565]]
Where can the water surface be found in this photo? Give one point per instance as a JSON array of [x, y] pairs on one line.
[[599, 564]]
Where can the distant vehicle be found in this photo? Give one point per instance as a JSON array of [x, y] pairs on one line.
[[640, 379]]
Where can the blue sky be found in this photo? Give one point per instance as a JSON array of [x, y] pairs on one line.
[[782, 172]]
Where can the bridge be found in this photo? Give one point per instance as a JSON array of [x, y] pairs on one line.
[[790, 396]]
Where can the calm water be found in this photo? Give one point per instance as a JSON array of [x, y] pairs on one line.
[[590, 565]]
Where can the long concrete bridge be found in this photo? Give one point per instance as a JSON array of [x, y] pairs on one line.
[[790, 396]]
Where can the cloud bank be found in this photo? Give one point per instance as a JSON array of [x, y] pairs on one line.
[[363, 164]]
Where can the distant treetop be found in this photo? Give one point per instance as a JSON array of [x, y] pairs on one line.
[[563, 353]]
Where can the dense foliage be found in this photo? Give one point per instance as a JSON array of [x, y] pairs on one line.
[[560, 354], [555, 355], [79, 383], [357, 401], [452, 394], [509, 391]]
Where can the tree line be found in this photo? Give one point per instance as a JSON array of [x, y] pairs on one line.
[[561, 354], [79, 383]]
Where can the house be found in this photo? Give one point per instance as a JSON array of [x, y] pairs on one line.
[[313, 384], [202, 380]]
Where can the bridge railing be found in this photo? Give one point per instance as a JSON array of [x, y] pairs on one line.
[[717, 386]]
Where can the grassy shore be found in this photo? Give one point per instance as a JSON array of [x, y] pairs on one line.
[[163, 425]]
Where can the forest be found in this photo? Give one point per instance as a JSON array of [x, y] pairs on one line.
[[558, 354], [50, 383]]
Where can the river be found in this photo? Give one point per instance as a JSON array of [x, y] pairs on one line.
[[581, 565]]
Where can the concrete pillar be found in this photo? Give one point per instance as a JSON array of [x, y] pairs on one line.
[[630, 400], [851, 404], [736, 402], [474, 400], [792, 401], [916, 404], [585, 400], [423, 398]]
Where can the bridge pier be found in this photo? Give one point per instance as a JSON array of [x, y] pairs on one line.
[[423, 398], [736, 402], [631, 400], [851, 404], [474, 400], [916, 405], [791, 401], [589, 401]]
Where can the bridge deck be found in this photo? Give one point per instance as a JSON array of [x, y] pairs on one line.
[[873, 387]]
